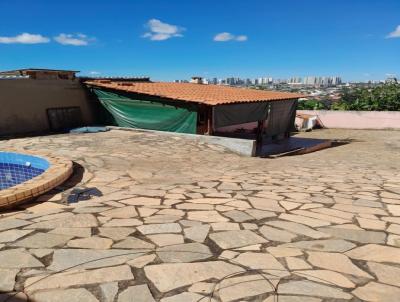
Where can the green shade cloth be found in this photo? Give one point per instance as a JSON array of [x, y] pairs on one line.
[[143, 114]]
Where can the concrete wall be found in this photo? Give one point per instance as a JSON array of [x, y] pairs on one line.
[[357, 119], [23, 103], [244, 147], [342, 119]]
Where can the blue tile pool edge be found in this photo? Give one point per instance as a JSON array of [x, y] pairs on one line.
[[24, 160]]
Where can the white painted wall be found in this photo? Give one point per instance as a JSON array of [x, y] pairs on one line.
[[357, 119]]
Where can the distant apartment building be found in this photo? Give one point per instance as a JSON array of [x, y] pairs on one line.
[[337, 81], [391, 80], [198, 80], [295, 80], [322, 81], [310, 81], [280, 81], [213, 81], [231, 81]]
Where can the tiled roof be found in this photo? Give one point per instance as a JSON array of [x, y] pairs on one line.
[[198, 93]]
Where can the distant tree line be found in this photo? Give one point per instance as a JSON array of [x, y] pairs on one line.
[[380, 98]]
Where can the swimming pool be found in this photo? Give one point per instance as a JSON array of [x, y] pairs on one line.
[[24, 176], [16, 168]]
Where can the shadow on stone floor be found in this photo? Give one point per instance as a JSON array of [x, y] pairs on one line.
[[342, 142], [13, 297], [74, 179], [70, 183]]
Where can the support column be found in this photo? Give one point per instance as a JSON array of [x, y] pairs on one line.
[[210, 125], [259, 135]]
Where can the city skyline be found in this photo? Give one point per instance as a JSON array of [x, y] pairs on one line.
[[356, 40], [306, 80], [267, 80]]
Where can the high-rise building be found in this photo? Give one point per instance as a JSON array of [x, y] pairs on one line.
[[391, 80], [213, 81], [337, 81], [309, 81], [295, 80], [322, 81]]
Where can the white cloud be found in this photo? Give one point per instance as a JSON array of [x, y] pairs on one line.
[[225, 36], [160, 31], [75, 40], [395, 33], [94, 73], [25, 38], [241, 38]]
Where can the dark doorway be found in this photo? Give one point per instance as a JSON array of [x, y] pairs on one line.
[[61, 119]]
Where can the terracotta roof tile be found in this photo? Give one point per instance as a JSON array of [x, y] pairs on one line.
[[198, 93]]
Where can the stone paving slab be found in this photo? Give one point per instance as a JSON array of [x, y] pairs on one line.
[[181, 221]]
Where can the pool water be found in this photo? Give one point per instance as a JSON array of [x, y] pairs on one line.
[[16, 168]]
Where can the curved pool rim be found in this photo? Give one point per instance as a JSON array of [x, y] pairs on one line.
[[56, 171]]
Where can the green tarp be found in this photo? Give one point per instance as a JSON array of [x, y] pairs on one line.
[[162, 116]]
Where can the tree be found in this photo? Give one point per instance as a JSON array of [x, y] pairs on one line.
[[381, 98], [311, 105]]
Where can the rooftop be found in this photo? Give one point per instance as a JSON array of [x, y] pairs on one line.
[[25, 70], [116, 79], [325, 225], [198, 93]]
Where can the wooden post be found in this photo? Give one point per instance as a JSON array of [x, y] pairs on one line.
[[209, 121], [259, 135]]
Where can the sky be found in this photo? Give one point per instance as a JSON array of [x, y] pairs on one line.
[[358, 40]]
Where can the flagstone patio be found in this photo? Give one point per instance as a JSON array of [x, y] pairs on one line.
[[180, 221]]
